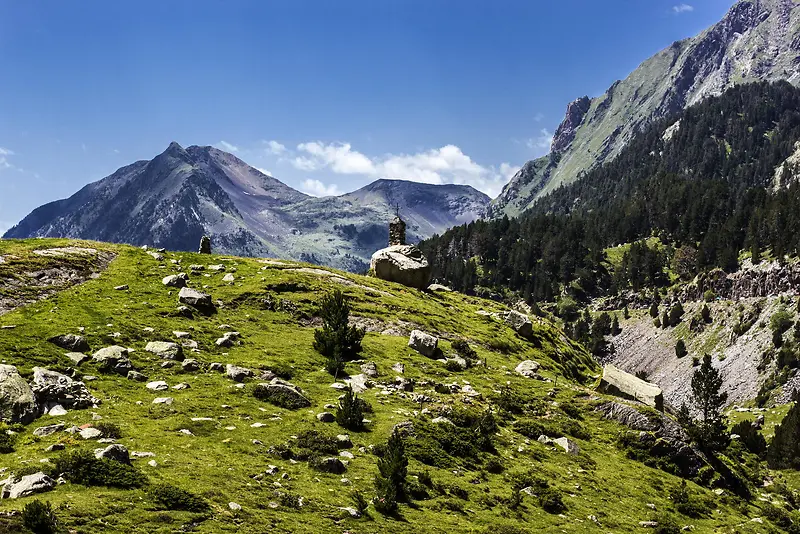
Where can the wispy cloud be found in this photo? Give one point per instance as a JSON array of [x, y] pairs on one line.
[[316, 188], [541, 143], [275, 148], [263, 171], [4, 163], [5, 152], [228, 147], [448, 164], [682, 8]]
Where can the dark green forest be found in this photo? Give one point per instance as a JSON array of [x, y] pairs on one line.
[[707, 191]]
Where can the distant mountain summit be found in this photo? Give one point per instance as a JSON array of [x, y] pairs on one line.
[[757, 40], [182, 194]]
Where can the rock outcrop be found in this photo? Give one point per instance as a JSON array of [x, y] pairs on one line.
[[52, 388], [404, 264], [425, 344], [17, 402], [766, 279], [622, 384]]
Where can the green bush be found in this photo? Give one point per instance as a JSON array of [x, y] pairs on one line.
[[390, 482], [359, 502], [39, 518], [680, 349], [666, 524], [173, 498], [278, 397], [81, 467], [551, 502], [464, 350], [349, 413], [312, 443], [750, 437], [109, 430], [7, 439], [337, 340], [688, 504]]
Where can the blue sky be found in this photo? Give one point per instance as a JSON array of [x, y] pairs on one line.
[[324, 95]]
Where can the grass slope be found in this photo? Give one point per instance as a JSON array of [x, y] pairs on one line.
[[602, 489]]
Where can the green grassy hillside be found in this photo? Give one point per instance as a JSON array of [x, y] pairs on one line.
[[230, 444]]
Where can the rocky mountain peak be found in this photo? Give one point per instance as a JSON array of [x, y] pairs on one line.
[[565, 133]]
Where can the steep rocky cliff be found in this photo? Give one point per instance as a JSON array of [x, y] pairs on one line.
[[756, 40]]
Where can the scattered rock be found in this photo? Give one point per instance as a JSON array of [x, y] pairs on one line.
[[358, 383], [425, 344], [17, 402], [136, 376], [190, 365], [520, 323], [352, 512], [115, 452], [399, 368], [113, 359], [217, 268], [165, 350], [123, 287], [370, 369], [331, 465], [528, 368], [237, 374], [159, 385], [90, 433], [217, 367], [70, 342], [439, 287], [28, 485], [57, 411], [48, 430], [622, 384], [163, 400], [77, 357], [229, 278], [326, 417], [50, 387], [343, 441], [234, 507], [227, 339], [175, 280], [195, 299]]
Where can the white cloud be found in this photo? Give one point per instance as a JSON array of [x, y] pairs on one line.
[[445, 165], [5, 152], [276, 148], [318, 189], [682, 8], [228, 147], [541, 143], [263, 171]]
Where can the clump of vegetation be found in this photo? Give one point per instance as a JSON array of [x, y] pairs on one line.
[[360, 502], [784, 449], [779, 323], [390, 482], [81, 467], [174, 498], [687, 503], [465, 351], [750, 437], [279, 397], [680, 349], [109, 430], [350, 412], [39, 518], [548, 498], [7, 439], [311, 444], [337, 340]]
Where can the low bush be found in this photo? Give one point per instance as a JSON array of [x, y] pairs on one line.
[[7, 439], [279, 397], [174, 498], [312, 443], [350, 411], [39, 518], [109, 430], [81, 467]]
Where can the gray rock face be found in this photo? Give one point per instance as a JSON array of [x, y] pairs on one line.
[[198, 191], [17, 402], [51, 388], [622, 384], [423, 343], [195, 299], [113, 359], [755, 41], [520, 322], [767, 279], [404, 264], [70, 342], [528, 368], [115, 452], [165, 350], [28, 485]]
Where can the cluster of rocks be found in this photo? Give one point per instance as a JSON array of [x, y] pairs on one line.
[[762, 280]]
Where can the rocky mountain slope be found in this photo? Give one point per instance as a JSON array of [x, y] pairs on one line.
[[757, 40], [166, 425], [183, 194]]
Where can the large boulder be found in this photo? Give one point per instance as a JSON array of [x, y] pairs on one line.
[[282, 393], [52, 388], [528, 369], [621, 384], [116, 452], [195, 299], [423, 343], [70, 342], [17, 402], [236, 373], [165, 349], [520, 322], [113, 359], [404, 264], [175, 280], [28, 485]]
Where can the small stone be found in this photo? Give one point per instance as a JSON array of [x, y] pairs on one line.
[[229, 278], [216, 366], [234, 506], [77, 357], [326, 417], [116, 452], [48, 430], [181, 386], [57, 411], [236, 373], [152, 463], [90, 433], [123, 287], [137, 376], [190, 365], [163, 400], [159, 385]]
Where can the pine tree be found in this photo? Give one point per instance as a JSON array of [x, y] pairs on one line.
[[615, 329], [626, 313], [337, 340], [784, 449], [654, 310], [705, 314], [680, 349], [710, 431], [675, 314], [390, 482]]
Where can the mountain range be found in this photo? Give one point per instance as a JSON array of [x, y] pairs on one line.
[[182, 194], [757, 40]]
